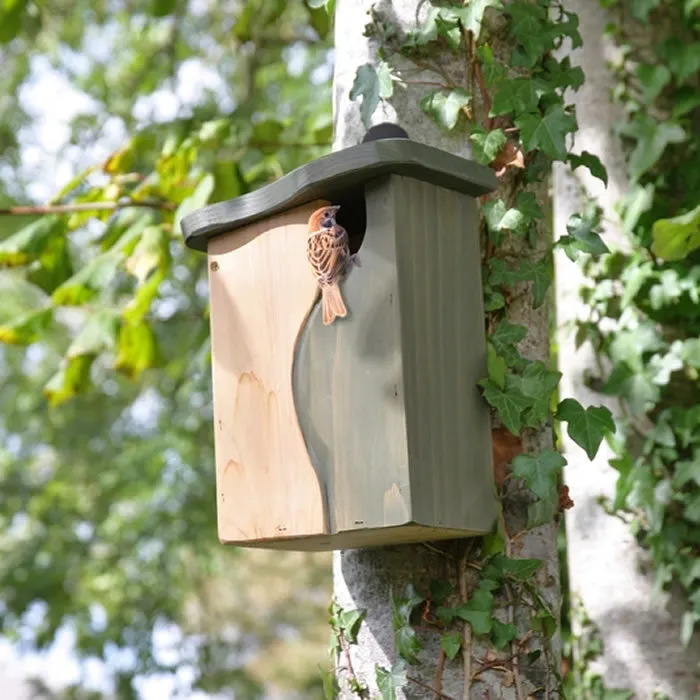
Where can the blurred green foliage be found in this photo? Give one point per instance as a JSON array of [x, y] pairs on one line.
[[107, 508]]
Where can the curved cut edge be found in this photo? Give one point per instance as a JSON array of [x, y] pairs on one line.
[[347, 390], [261, 291]]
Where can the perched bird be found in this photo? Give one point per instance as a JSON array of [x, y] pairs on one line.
[[328, 251]]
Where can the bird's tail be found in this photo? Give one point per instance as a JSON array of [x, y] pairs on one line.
[[332, 303]]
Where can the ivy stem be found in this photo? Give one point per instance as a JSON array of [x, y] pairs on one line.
[[346, 651], [467, 645], [437, 693], [514, 646], [438, 672]]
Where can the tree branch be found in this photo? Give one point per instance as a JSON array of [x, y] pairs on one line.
[[38, 209]]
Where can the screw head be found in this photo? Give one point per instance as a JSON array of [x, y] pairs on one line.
[[214, 266]]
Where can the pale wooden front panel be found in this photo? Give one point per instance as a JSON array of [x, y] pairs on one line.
[[261, 290]]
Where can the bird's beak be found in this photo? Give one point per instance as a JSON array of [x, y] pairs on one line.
[[335, 208]]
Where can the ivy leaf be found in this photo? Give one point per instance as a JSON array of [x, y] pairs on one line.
[[539, 273], [652, 79], [487, 144], [439, 590], [502, 633], [391, 680], [676, 238], [509, 404], [492, 70], [405, 639], [445, 108], [652, 139], [372, 85], [590, 161], [526, 203], [517, 96], [583, 236], [640, 9], [496, 367], [537, 382], [586, 426], [527, 26], [547, 132], [472, 15], [518, 569], [540, 473], [451, 643], [477, 612], [504, 339]]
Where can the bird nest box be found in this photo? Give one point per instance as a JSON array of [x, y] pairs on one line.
[[370, 430]]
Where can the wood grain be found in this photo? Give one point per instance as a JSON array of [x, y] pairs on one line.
[[261, 291]]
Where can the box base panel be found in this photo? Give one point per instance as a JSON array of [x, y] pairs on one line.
[[352, 539]]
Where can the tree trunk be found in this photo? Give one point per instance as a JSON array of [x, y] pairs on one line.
[[365, 579], [610, 584]]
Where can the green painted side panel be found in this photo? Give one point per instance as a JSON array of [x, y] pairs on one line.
[[444, 355]]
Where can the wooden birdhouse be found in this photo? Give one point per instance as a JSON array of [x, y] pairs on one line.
[[370, 430]]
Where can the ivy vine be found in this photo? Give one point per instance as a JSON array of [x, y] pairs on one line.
[[508, 101], [644, 302]]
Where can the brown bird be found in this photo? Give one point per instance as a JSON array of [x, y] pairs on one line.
[[328, 251]]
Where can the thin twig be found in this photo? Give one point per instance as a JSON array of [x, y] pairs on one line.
[[34, 210], [484, 94], [467, 645], [437, 693], [346, 650], [438, 672]]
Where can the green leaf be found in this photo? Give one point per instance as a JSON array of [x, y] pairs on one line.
[[27, 328], [526, 203], [477, 612], [547, 132], [491, 69], [89, 281], [529, 27], [518, 569], [590, 161], [199, 197], [584, 236], [151, 252], [73, 377], [640, 9], [472, 15], [405, 639], [537, 383], [652, 139], [517, 96], [487, 144], [138, 349], [371, 85], [496, 367], [676, 238], [97, 335], [688, 621], [350, 622], [445, 108], [586, 426], [509, 404], [540, 473], [504, 339], [439, 590], [389, 681], [539, 273], [28, 243], [652, 79], [502, 633], [451, 644]]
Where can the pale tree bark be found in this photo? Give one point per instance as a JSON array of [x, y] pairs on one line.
[[363, 579], [607, 569]]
